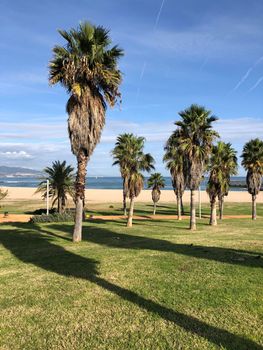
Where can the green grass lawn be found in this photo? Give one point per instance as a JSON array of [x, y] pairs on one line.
[[29, 206], [154, 286]]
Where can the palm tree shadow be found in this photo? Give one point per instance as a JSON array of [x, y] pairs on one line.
[[32, 247], [102, 236]]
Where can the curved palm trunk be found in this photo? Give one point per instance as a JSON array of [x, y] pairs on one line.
[[179, 204], [192, 211], [221, 207], [130, 215], [213, 220], [254, 207], [80, 195]]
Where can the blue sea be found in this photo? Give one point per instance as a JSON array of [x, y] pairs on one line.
[[99, 182]]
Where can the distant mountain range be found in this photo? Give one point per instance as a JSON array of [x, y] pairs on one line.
[[18, 171]]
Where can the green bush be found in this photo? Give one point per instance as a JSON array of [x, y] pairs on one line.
[[68, 216]]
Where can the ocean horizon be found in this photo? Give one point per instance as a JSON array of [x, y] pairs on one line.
[[103, 182]]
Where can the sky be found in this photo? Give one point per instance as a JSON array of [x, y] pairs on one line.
[[176, 53]]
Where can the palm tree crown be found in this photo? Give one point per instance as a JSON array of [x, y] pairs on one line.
[[87, 68], [156, 181]]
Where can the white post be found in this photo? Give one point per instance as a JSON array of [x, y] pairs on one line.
[[200, 204], [47, 197]]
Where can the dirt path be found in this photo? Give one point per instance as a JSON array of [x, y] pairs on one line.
[[26, 218]]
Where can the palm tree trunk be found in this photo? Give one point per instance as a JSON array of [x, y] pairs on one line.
[[130, 215], [182, 205], [59, 205], [221, 207], [192, 213], [179, 203], [154, 208], [80, 195], [254, 207], [124, 185], [213, 221]]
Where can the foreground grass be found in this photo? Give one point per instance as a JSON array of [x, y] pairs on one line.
[[155, 286]]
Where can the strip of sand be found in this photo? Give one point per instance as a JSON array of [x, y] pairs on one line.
[[115, 196]]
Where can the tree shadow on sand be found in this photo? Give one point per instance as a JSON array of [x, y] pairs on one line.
[[30, 246]]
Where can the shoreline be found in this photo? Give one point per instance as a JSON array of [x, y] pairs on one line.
[[115, 196]]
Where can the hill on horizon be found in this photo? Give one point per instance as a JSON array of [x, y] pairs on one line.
[[16, 171]]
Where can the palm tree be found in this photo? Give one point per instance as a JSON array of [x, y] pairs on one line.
[[61, 179], [87, 67], [121, 157], [156, 182], [229, 168], [253, 163], [136, 161], [223, 164], [175, 163], [195, 142]]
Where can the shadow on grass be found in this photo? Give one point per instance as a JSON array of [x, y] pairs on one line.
[[112, 239], [27, 244]]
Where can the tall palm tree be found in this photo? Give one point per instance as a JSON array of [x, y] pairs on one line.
[[120, 155], [136, 161], [229, 167], [175, 163], [87, 67], [61, 184], [253, 163], [223, 164], [156, 182], [195, 141]]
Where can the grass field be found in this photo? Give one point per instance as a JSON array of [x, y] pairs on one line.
[[29, 206], [155, 286]]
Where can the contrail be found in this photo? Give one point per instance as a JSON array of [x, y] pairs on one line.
[[257, 84], [143, 70], [145, 63], [244, 78], [159, 15]]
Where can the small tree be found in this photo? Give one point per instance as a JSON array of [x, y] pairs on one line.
[[61, 179], [253, 163], [3, 194], [156, 182]]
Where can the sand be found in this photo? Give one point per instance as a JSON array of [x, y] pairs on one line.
[[115, 196]]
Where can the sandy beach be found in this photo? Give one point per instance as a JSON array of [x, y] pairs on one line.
[[115, 196]]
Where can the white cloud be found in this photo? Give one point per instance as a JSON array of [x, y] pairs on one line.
[[16, 155]]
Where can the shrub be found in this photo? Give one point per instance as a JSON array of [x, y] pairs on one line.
[[56, 217]]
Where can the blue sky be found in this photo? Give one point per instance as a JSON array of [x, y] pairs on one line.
[[176, 53]]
